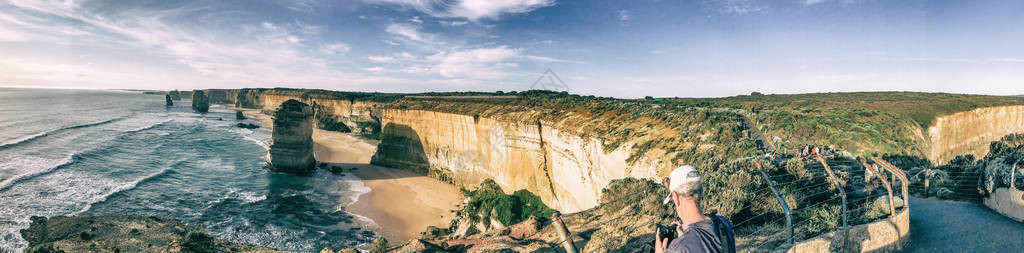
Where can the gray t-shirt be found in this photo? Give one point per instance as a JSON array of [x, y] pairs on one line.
[[699, 237]]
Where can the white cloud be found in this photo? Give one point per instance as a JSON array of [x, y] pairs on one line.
[[810, 2], [307, 29], [735, 7], [480, 63], [373, 69], [249, 55], [336, 48], [390, 42], [416, 19], [381, 58], [470, 9], [453, 23], [413, 33], [624, 15]]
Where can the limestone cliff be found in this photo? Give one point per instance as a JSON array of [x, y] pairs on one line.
[[360, 116], [971, 132], [175, 94], [566, 170], [221, 96], [291, 147], [200, 102]]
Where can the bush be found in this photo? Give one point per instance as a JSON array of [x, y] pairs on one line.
[[198, 242], [489, 201], [824, 219], [380, 245]]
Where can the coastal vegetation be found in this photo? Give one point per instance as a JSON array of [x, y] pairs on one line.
[[490, 202]]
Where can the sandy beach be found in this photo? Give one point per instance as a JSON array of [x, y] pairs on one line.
[[401, 202]]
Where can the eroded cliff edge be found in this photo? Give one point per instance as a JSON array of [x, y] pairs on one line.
[[971, 132]]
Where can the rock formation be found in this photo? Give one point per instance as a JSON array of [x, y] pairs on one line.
[[200, 102], [239, 115], [175, 95], [291, 147], [169, 102]]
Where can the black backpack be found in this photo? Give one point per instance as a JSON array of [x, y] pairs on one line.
[[723, 229]]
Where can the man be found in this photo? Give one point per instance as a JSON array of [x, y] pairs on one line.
[[696, 232]]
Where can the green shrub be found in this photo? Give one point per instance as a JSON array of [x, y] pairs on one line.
[[198, 242], [824, 219], [489, 201], [380, 245]]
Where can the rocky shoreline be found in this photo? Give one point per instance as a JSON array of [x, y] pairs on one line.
[[124, 233]]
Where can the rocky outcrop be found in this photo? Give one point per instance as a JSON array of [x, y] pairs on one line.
[[200, 102], [175, 94], [239, 115], [971, 132], [291, 147], [123, 233], [168, 100]]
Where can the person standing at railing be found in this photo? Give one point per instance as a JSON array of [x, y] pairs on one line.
[[695, 231]]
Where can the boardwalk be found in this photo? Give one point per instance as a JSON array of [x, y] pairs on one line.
[[951, 226]]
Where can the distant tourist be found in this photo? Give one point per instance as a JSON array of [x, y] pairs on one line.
[[694, 232]]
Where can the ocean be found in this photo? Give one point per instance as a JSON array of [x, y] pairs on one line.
[[89, 152]]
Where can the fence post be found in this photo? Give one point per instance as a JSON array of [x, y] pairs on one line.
[[888, 186], [782, 201], [563, 232], [1013, 173], [842, 193], [899, 173]]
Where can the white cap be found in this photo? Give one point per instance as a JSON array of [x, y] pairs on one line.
[[680, 179]]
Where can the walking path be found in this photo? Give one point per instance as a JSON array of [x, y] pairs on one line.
[[753, 132], [952, 226]]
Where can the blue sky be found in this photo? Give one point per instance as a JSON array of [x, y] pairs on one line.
[[617, 48]]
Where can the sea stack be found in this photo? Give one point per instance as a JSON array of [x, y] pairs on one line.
[[239, 115], [169, 102], [175, 94], [291, 144], [200, 102]]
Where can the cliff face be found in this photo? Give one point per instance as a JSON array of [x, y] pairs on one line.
[[971, 132], [200, 102], [291, 147], [218, 96], [175, 94], [567, 171], [358, 116]]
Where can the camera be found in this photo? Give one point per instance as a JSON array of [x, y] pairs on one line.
[[667, 232]]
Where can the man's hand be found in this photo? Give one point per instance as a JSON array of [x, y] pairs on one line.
[[659, 244]]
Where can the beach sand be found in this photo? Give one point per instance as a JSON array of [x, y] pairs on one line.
[[401, 202]]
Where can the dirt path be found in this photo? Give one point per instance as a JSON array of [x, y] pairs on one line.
[[951, 226], [753, 132]]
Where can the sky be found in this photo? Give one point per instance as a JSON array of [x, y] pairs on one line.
[[616, 48]]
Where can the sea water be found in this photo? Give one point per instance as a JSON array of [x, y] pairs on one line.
[[87, 152]]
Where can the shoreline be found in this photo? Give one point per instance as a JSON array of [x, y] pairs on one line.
[[402, 204]]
